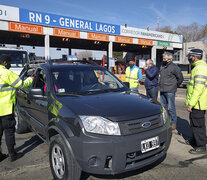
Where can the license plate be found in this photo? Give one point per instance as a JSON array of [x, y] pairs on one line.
[[150, 144]]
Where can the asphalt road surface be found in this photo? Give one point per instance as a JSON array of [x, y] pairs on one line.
[[178, 165]]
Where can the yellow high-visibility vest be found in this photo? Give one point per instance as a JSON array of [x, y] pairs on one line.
[[9, 82], [197, 86], [132, 77]]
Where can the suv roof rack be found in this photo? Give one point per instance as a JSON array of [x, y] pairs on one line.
[[84, 61], [56, 61]]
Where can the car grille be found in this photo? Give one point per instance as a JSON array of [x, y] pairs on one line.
[[134, 158], [135, 126]]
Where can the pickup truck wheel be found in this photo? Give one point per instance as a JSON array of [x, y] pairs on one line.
[[62, 164], [21, 126]]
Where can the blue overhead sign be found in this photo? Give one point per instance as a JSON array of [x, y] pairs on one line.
[[53, 20]]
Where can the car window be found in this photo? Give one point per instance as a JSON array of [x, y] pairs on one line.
[[28, 73], [40, 81], [84, 80]]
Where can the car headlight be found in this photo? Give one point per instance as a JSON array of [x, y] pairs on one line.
[[100, 125], [164, 115]]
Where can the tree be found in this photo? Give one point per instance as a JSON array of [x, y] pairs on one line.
[[192, 32], [167, 29], [118, 55], [85, 54]]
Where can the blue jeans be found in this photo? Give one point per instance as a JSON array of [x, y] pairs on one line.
[[168, 100], [152, 93]]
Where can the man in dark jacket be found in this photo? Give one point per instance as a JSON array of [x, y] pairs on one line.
[[151, 79], [170, 78]]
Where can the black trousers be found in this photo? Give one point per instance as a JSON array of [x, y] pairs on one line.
[[197, 123], [7, 125]]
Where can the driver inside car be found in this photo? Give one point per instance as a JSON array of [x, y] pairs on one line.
[[90, 81], [90, 78]]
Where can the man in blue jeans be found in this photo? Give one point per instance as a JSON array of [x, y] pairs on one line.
[[170, 78], [151, 79]]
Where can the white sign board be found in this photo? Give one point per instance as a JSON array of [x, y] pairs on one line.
[[154, 35], [111, 62], [9, 13], [72, 57], [142, 63]]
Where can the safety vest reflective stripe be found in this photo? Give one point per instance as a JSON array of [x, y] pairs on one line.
[[15, 82], [7, 89], [20, 86], [190, 84], [3, 85], [197, 82], [200, 82], [131, 78], [201, 77]]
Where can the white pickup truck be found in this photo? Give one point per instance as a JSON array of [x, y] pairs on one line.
[[19, 58]]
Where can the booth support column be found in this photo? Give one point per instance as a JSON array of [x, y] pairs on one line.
[[47, 46], [153, 54], [109, 54]]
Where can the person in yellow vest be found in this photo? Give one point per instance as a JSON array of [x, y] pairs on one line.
[[196, 101], [9, 82], [133, 75]]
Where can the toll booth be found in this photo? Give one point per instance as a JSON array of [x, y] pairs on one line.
[[20, 26]]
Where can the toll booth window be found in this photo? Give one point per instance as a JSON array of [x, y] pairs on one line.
[[176, 55]]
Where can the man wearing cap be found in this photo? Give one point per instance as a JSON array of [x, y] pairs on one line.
[[133, 75], [9, 82], [196, 101]]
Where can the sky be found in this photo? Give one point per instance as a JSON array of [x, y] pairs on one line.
[[134, 13]]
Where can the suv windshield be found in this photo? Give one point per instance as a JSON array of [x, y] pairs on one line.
[[85, 80], [18, 58]]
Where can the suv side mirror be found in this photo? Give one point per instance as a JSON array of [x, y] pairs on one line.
[[126, 84], [36, 93]]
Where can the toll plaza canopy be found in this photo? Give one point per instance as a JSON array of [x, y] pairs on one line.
[[27, 27]]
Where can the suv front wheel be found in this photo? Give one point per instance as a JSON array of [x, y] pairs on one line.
[[62, 164]]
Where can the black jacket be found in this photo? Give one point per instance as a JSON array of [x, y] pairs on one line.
[[170, 78]]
